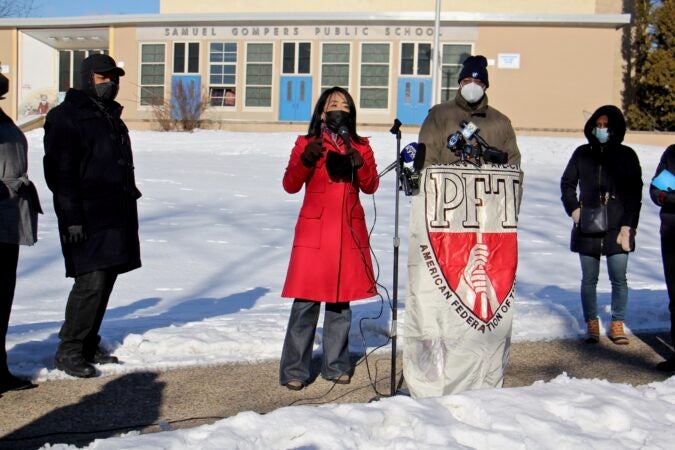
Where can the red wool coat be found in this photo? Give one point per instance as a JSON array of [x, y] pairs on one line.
[[330, 260]]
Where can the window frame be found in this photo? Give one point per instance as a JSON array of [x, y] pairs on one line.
[[416, 59], [386, 88], [273, 78], [453, 85], [186, 58], [322, 65], [224, 86], [141, 86]]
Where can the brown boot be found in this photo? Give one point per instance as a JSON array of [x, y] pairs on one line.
[[593, 331], [616, 333]]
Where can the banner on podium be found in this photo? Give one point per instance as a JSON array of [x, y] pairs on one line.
[[462, 261]]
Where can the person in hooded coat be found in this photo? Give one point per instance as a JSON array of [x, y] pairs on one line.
[[89, 168], [604, 171], [665, 198], [19, 209], [330, 261]]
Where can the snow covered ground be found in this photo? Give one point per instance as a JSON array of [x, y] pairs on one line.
[[216, 229]]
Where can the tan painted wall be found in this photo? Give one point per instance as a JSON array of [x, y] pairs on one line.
[[510, 6], [552, 76], [8, 57]]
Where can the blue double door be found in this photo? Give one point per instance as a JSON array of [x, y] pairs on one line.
[[414, 99], [295, 101]]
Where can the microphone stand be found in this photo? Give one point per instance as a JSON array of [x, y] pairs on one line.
[[395, 130]]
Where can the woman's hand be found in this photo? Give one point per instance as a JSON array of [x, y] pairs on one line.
[[623, 239], [312, 152]]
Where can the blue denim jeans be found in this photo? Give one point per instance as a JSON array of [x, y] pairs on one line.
[[616, 267], [296, 356]]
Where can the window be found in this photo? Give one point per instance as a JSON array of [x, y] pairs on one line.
[[334, 66], [186, 57], [296, 57], [415, 59], [259, 75], [152, 74], [223, 73], [70, 64], [451, 64], [374, 76]]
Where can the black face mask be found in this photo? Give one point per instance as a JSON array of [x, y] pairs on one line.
[[336, 119], [107, 91]]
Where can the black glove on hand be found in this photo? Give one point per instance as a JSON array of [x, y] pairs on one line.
[[312, 153], [339, 166], [357, 159], [76, 235]]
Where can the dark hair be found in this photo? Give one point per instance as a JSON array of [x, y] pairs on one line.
[[315, 124]]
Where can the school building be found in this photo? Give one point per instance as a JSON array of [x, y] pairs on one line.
[[266, 62]]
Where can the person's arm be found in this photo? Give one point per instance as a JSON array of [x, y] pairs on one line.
[[658, 196], [432, 137], [568, 185], [62, 167], [297, 172], [367, 173], [632, 184]]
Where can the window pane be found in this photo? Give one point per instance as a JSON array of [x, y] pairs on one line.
[[152, 95], [455, 54], [178, 57], [64, 70], [259, 96], [193, 57], [335, 53], [304, 53], [78, 57], [407, 55], [152, 53], [375, 53], [424, 59], [289, 58], [259, 53]]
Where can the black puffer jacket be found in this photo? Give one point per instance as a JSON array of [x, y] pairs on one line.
[[596, 168], [89, 168]]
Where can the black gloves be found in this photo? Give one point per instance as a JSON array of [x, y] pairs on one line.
[[312, 153], [342, 167], [357, 159], [75, 235]]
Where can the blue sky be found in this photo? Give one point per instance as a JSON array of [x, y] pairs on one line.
[[56, 8]]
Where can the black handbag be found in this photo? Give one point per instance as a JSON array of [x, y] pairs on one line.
[[594, 220]]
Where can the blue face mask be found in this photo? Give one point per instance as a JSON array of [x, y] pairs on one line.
[[602, 134]]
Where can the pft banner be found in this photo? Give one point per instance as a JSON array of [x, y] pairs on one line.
[[462, 260]]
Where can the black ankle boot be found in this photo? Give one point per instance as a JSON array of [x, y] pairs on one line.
[[102, 357], [74, 365]]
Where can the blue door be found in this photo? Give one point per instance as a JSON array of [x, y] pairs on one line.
[[414, 100], [295, 101]]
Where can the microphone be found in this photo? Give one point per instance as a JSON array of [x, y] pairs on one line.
[[409, 152], [469, 129], [454, 139], [343, 131]]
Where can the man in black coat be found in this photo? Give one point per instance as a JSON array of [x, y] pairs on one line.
[[665, 198], [89, 168]]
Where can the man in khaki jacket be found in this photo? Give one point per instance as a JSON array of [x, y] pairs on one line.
[[470, 105]]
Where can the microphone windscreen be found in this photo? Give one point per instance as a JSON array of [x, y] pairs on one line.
[[421, 154], [409, 151]]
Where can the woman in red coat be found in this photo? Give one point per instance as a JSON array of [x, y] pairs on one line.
[[330, 261]]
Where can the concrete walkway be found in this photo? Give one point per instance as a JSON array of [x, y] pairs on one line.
[[79, 411]]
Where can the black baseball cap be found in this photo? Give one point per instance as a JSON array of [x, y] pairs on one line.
[[100, 63]]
